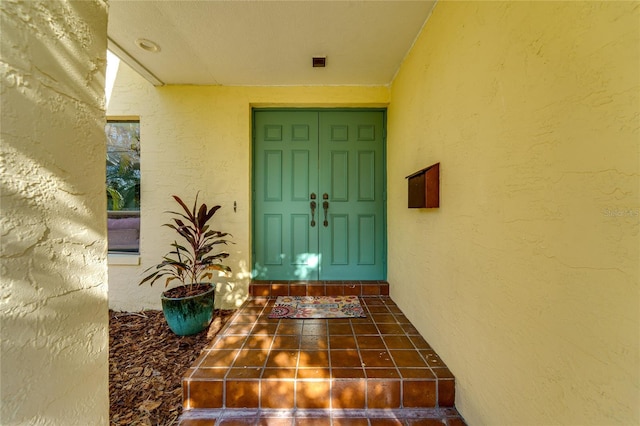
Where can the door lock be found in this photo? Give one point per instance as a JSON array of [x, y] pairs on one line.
[[313, 209], [325, 206]]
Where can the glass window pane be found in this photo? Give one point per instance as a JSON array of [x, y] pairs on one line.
[[123, 185]]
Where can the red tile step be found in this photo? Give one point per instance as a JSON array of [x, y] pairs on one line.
[[291, 370], [318, 288]]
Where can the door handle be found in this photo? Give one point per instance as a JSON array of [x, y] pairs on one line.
[[325, 206], [313, 209]]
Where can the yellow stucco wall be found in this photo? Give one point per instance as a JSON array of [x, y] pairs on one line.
[[526, 279], [53, 251], [198, 138]]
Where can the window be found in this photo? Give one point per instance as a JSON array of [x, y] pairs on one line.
[[123, 185]]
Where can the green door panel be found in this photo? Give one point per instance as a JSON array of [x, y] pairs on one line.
[[351, 168], [338, 158], [285, 159]]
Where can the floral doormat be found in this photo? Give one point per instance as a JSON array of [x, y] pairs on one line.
[[304, 307]]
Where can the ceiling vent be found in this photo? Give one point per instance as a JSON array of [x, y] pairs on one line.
[[319, 61]]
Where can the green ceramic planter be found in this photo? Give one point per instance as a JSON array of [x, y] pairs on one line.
[[189, 315]]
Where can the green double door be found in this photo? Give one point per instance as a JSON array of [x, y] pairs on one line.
[[319, 188]]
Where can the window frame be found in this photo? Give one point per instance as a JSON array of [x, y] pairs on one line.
[[127, 230]]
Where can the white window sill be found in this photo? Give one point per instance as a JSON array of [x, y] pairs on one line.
[[125, 259]]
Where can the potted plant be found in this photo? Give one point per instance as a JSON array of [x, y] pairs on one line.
[[188, 308]]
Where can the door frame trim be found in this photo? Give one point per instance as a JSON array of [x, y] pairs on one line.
[[256, 109]]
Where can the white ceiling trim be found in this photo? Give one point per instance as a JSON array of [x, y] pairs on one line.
[[113, 47]]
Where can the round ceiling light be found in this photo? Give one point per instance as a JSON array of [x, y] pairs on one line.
[[148, 45]]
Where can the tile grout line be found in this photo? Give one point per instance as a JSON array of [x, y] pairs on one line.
[[246, 341], [400, 378], [364, 371], [330, 378], [266, 359]]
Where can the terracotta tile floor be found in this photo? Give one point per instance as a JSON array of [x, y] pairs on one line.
[[376, 370]]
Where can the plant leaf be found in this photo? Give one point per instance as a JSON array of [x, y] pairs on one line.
[[190, 216], [194, 259], [202, 216]]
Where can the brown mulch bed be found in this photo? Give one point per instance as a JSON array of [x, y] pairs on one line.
[[146, 365]]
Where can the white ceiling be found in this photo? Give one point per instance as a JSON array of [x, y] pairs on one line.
[[267, 43]]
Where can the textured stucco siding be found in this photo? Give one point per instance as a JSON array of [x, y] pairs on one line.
[[53, 301], [526, 279]]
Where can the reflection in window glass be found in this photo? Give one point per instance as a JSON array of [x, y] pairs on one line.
[[123, 185]]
